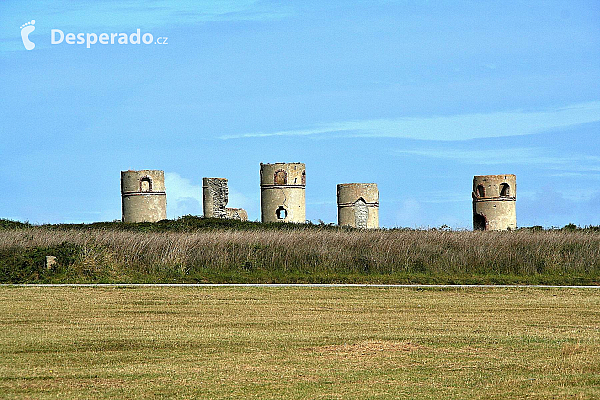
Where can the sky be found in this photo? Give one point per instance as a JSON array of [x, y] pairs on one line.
[[416, 96]]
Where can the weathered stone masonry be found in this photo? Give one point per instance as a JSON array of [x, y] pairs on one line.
[[215, 196], [283, 198], [494, 202], [358, 205], [282, 192], [143, 196]]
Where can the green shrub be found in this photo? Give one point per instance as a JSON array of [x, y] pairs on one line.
[[20, 265]]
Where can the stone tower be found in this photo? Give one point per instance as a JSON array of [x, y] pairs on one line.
[[358, 205], [282, 187], [494, 202], [143, 195], [215, 196]]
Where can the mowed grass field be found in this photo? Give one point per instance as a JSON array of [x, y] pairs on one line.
[[319, 343]]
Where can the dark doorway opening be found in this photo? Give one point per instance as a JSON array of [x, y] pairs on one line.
[[479, 222]]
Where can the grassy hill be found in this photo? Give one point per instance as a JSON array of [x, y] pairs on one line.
[[192, 249]]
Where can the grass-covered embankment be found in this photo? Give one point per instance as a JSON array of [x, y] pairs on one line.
[[197, 250]]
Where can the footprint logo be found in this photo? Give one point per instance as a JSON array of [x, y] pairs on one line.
[[26, 29]]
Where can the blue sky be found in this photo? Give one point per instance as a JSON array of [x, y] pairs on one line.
[[417, 96]]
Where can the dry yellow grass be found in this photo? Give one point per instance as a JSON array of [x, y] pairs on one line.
[[315, 255], [351, 343]]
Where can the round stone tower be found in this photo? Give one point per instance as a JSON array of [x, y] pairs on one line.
[[494, 202], [358, 205], [282, 197], [143, 195]]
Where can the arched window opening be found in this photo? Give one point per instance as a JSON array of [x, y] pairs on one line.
[[304, 177], [281, 213], [504, 190], [280, 177], [479, 222], [480, 192], [146, 184]]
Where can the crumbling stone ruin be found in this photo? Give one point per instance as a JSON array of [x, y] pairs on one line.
[[237, 213], [282, 198], [358, 205], [494, 202], [282, 192], [215, 196], [143, 196]]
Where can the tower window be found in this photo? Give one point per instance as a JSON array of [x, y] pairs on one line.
[[304, 177], [146, 184], [280, 177], [480, 191], [504, 190], [281, 213]]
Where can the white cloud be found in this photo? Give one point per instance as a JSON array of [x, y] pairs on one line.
[[453, 127], [237, 199], [523, 155], [184, 197], [163, 12], [410, 214]]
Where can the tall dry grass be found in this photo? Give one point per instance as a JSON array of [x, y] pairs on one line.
[[321, 251]]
